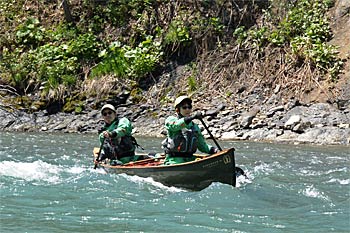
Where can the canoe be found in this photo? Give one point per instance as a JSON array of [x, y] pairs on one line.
[[195, 175]]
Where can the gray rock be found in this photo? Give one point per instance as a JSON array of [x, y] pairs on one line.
[[292, 121], [301, 127], [229, 136], [273, 110], [326, 135], [247, 118]]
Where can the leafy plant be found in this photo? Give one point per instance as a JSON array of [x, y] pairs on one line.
[[30, 33], [53, 63], [216, 23], [192, 83], [125, 61], [241, 34], [307, 29], [177, 33]]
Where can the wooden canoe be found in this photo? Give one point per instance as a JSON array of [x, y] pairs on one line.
[[195, 175]]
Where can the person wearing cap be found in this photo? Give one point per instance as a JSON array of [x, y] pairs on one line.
[[183, 135], [118, 144]]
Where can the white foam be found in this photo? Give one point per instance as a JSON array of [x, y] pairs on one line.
[[264, 168], [247, 179], [76, 170], [37, 170], [311, 191], [343, 182], [141, 181]]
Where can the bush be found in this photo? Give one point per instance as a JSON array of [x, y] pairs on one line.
[[125, 61], [50, 64]]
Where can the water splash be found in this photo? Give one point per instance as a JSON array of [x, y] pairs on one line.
[[40, 171], [340, 181], [244, 179], [37, 170], [311, 191], [149, 181]]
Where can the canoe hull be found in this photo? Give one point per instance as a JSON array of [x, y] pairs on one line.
[[195, 175]]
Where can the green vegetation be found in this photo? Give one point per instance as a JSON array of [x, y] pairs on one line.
[[47, 58], [42, 52], [125, 61], [192, 84]]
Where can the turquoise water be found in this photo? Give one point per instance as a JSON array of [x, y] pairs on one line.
[[48, 184]]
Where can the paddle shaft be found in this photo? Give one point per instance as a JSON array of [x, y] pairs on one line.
[[99, 152], [212, 137]]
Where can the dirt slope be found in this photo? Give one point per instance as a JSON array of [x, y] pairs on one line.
[[340, 18]]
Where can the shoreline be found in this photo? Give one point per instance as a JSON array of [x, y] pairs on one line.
[[319, 124]]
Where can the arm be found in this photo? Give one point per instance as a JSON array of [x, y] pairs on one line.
[[202, 145], [123, 128], [174, 124], [101, 138]]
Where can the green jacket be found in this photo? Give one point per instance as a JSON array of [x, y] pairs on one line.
[[120, 128], [174, 125]]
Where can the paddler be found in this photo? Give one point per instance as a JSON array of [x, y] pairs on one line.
[[118, 144], [183, 135]]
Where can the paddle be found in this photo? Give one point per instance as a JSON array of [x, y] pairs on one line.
[[99, 152], [212, 137]]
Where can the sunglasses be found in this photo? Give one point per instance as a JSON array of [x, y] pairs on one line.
[[107, 113], [186, 107]]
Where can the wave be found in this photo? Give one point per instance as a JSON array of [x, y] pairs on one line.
[[311, 191], [141, 181], [37, 171], [243, 180], [340, 181]]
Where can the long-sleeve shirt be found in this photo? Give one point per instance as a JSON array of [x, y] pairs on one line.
[[120, 128], [174, 125]]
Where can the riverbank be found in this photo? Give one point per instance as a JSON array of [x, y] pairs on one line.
[[294, 122], [249, 93]]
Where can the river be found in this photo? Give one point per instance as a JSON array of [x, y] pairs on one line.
[[48, 184]]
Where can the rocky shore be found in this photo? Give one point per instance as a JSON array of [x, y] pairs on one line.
[[319, 123]]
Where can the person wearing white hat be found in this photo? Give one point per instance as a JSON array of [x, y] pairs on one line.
[[183, 135], [118, 144]]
